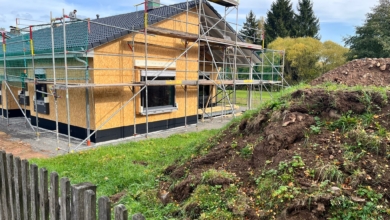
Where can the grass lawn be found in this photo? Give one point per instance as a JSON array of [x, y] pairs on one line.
[[241, 96], [134, 167]]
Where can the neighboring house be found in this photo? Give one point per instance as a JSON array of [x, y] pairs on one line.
[[106, 51]]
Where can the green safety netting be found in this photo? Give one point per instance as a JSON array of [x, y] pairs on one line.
[[21, 65]]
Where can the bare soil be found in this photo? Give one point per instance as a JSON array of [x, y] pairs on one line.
[[19, 148], [367, 71], [280, 133]]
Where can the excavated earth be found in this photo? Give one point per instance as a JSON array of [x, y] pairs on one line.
[[367, 71], [315, 124]]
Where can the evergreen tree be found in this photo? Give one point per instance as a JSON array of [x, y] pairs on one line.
[[280, 21], [249, 32], [307, 24], [373, 37]]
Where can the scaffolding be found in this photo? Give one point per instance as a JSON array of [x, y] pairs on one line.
[[224, 62]]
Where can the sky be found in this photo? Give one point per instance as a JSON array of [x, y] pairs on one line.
[[338, 18]]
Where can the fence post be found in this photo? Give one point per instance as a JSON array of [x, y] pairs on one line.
[[104, 208], [11, 185], [77, 205], [120, 212], [26, 189], [34, 192], [54, 206], [18, 189], [4, 187], [65, 199], [89, 205]]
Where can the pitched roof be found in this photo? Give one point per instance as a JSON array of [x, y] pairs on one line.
[[81, 35]]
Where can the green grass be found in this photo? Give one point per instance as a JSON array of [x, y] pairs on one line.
[[241, 96], [113, 169]]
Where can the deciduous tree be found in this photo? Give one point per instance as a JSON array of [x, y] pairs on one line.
[[332, 55]]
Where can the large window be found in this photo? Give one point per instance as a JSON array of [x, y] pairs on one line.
[[161, 98]]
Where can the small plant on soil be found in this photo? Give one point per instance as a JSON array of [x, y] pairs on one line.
[[234, 144], [345, 123], [213, 174], [331, 172], [369, 205], [216, 202], [370, 142], [247, 151], [316, 129]]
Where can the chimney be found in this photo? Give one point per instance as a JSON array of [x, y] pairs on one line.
[[97, 16], [152, 4]]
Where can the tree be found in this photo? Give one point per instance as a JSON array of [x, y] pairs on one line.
[[332, 55], [250, 30], [302, 56], [280, 21], [372, 39], [307, 24]]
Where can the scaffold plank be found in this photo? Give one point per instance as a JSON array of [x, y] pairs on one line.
[[62, 86], [226, 3]]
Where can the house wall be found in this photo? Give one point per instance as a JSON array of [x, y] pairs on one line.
[[13, 108], [121, 69], [77, 96]]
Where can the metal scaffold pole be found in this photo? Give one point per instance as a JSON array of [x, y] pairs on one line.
[[5, 78], [66, 79], [54, 80], [5, 69], [146, 68], [35, 86], [185, 86]]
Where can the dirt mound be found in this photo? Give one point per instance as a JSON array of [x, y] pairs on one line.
[[314, 154], [367, 71]]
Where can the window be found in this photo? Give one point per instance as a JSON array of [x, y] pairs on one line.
[[42, 88], [161, 99], [24, 96], [42, 100], [204, 94], [159, 95]]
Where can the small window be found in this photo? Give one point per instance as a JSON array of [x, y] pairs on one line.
[[41, 88]]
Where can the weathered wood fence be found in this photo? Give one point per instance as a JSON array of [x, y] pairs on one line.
[[25, 194]]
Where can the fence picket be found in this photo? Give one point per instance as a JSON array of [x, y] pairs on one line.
[[53, 198], [26, 190], [120, 212], [11, 185], [77, 205], [25, 195], [89, 205], [4, 186], [43, 194], [65, 199], [104, 208], [34, 192], [18, 189]]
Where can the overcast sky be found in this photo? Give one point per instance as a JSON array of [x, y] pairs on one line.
[[338, 17]]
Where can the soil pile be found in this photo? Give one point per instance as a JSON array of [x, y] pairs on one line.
[[367, 71], [313, 154]]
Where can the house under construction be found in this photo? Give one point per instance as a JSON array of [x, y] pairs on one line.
[[108, 78]]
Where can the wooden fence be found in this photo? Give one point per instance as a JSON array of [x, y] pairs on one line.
[[25, 194]]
